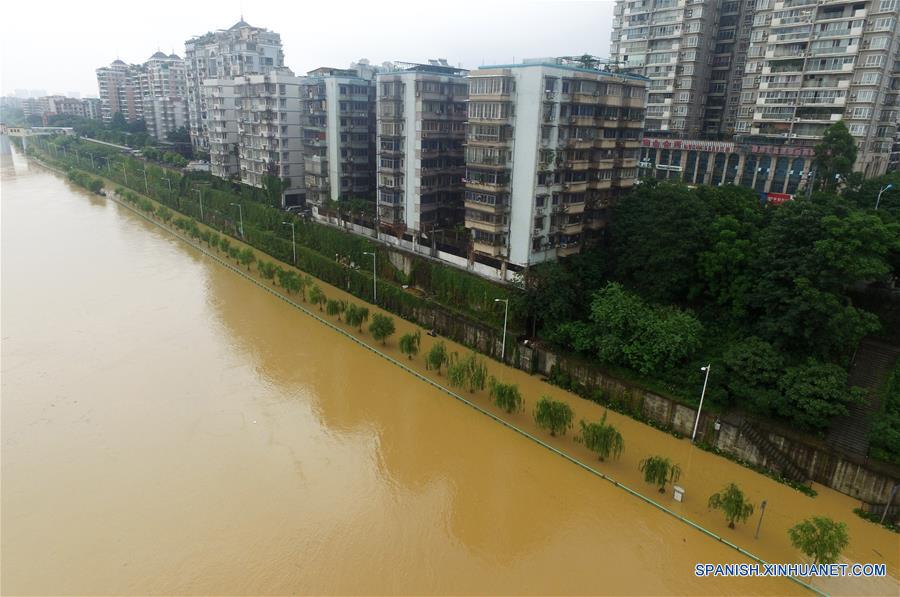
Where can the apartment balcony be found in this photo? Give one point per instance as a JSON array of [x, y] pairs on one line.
[[496, 209], [564, 250], [578, 143], [581, 120], [624, 183], [493, 227], [494, 249], [599, 185], [571, 227], [577, 165], [485, 187], [488, 164]]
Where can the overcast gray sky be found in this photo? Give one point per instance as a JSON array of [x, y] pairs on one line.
[[56, 46]]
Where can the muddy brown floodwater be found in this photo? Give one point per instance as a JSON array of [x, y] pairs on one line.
[[169, 427]]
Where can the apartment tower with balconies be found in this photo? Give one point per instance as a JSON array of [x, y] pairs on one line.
[[814, 62], [337, 120], [240, 50], [550, 145], [421, 129]]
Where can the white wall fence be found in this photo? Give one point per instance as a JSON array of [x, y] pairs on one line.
[[485, 271]]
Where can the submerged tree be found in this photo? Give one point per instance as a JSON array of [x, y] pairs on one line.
[[381, 327], [316, 296], [506, 396], [553, 415], [436, 357], [409, 344], [659, 470], [820, 538], [732, 503], [601, 438]]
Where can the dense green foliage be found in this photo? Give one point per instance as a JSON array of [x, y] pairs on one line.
[[885, 434], [553, 415], [382, 327], [820, 538], [409, 344], [437, 357], [659, 470], [506, 395], [732, 503], [835, 156], [708, 275], [601, 438], [624, 330]]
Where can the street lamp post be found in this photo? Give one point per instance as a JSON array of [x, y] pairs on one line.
[[92, 159], [241, 216], [108, 167], [699, 408], [293, 240], [505, 316], [125, 173], [762, 512], [374, 277], [146, 186], [200, 191], [883, 189]]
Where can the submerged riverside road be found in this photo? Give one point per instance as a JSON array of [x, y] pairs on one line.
[[169, 427]]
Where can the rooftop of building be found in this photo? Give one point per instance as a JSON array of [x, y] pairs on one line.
[[567, 63]]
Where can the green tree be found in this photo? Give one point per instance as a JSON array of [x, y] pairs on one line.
[[381, 327], [356, 315], [234, 252], [813, 393], [436, 357], [732, 503], [553, 415], [316, 296], [659, 470], [601, 438], [752, 369], [266, 269], [477, 373], [506, 396], [457, 371], [247, 257], [333, 307], [409, 344], [624, 330], [820, 538], [835, 155], [225, 244]]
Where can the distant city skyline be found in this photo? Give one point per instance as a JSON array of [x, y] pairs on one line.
[[74, 42]]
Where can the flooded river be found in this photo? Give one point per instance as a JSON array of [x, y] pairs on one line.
[[168, 427]]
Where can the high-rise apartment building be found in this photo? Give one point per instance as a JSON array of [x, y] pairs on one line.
[[550, 145], [421, 116], [237, 51], [163, 83], [120, 91], [672, 43], [338, 135], [254, 129], [814, 62]]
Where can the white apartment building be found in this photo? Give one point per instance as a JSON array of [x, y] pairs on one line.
[[421, 118], [338, 135], [254, 129], [239, 50], [814, 62], [550, 145]]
